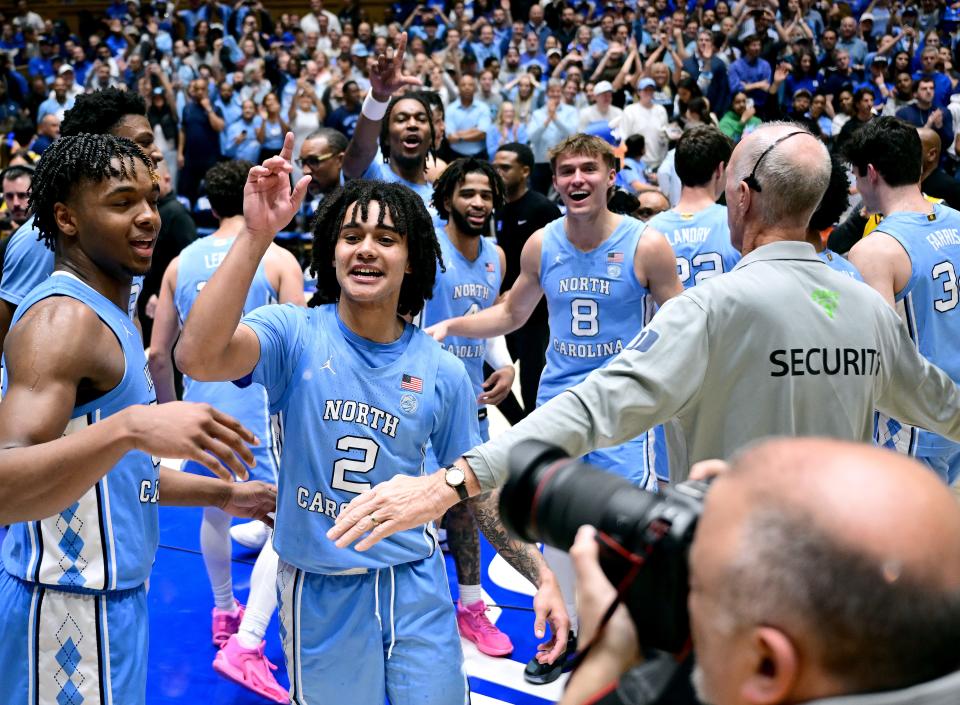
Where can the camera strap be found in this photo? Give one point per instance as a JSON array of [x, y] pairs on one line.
[[636, 561]]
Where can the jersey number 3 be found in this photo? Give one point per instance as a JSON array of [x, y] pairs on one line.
[[950, 286], [361, 465]]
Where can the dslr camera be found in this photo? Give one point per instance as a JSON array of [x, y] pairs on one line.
[[644, 537]]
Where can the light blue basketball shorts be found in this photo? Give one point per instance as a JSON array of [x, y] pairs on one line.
[[358, 637], [72, 648], [641, 460]]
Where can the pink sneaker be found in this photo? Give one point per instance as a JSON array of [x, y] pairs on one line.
[[251, 669], [226, 623], [474, 626]]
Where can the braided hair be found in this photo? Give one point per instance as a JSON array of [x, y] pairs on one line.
[[72, 160], [410, 218], [101, 111], [385, 124], [456, 173]]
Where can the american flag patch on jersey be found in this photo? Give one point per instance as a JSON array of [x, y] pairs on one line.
[[490, 267], [614, 258], [411, 384]]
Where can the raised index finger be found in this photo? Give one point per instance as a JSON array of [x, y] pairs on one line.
[[287, 150], [400, 50]]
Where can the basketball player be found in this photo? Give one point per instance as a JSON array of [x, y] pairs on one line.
[[74, 618], [28, 260], [399, 123], [466, 194], [360, 393], [696, 227], [831, 209], [237, 630], [913, 260], [596, 269]]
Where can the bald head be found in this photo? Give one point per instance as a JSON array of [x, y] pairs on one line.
[[792, 177], [881, 504], [931, 151], [851, 552]]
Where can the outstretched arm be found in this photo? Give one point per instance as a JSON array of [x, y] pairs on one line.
[[41, 470], [512, 312], [213, 346]]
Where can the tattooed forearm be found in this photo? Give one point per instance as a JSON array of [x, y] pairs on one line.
[[524, 557], [464, 544]]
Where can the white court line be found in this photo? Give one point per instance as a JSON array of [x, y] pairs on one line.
[[477, 699]]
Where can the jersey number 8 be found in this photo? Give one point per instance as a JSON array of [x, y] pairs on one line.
[[584, 323]]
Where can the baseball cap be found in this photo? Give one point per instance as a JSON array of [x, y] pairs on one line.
[[866, 16], [554, 51], [64, 68], [879, 59], [802, 91], [359, 49], [603, 87], [644, 83]]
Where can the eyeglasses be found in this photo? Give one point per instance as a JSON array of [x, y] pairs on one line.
[[751, 181], [313, 162]]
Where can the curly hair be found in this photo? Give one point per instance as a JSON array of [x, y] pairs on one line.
[[835, 200], [72, 162], [410, 218], [99, 112], [385, 124], [456, 173], [225, 182]]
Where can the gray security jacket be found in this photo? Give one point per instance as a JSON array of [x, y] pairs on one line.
[[780, 346]]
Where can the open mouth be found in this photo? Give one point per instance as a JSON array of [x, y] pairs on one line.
[[476, 219], [412, 141], [578, 196], [368, 274], [143, 247]]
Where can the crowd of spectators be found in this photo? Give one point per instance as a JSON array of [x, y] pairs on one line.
[[228, 80]]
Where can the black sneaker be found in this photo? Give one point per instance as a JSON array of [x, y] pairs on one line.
[[542, 673]]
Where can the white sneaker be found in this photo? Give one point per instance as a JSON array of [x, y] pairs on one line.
[[252, 535]]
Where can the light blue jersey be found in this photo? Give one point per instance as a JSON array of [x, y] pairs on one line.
[[354, 413], [701, 242], [28, 262], [379, 171], [594, 302], [595, 306], [465, 288], [198, 261], [107, 539], [839, 263], [930, 302]]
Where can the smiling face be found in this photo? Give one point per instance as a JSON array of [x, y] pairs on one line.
[[471, 206], [583, 182], [370, 260], [409, 132], [114, 221]]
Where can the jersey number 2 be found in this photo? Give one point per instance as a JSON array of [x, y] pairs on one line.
[[345, 465], [950, 286]]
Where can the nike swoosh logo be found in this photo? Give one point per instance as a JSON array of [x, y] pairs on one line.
[[521, 222]]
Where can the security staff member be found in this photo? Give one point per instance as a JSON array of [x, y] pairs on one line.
[[781, 345]]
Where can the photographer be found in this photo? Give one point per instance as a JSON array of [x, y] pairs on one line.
[[791, 522]]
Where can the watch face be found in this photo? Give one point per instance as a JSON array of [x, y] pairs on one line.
[[454, 477]]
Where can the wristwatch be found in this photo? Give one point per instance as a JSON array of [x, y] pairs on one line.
[[455, 478]]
